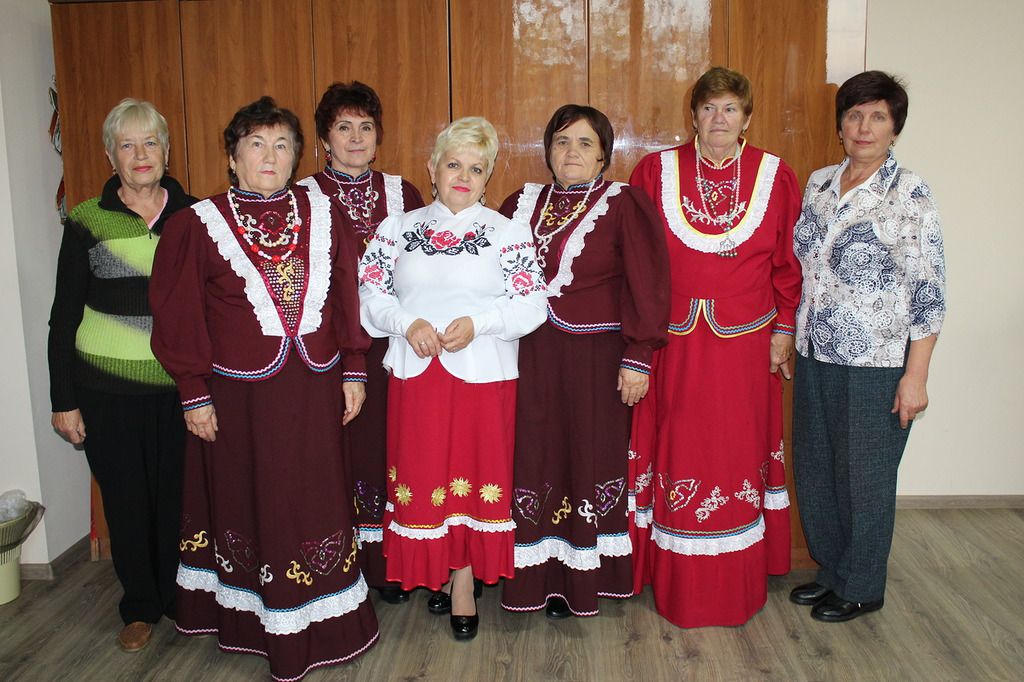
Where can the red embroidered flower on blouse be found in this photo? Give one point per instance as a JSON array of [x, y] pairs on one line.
[[522, 281], [373, 273], [443, 240]]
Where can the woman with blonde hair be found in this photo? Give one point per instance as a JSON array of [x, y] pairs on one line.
[[452, 286]]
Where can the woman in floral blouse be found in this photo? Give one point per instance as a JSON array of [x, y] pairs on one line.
[[452, 286], [873, 302]]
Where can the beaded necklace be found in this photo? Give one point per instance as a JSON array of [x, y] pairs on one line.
[[359, 203], [260, 234], [706, 187], [549, 218]]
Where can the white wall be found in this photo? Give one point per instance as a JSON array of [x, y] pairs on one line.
[[963, 63], [32, 457]]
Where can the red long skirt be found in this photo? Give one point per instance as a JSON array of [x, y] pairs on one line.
[[707, 473], [449, 478], [268, 558]]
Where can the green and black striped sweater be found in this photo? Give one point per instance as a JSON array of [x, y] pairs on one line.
[[100, 322]]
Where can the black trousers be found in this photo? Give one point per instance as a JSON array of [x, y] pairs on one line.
[[135, 446]]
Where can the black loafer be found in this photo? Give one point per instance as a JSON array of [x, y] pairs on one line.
[[464, 627], [439, 603], [393, 594], [808, 594], [835, 609], [557, 608]]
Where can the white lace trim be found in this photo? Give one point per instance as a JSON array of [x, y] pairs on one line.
[[776, 499], [574, 243], [371, 535], [255, 289], [527, 203], [576, 558], [643, 516], [319, 281], [708, 546], [442, 530], [393, 194], [671, 204], [274, 621]]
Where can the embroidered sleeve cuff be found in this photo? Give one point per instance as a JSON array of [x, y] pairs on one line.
[[196, 403], [637, 356], [354, 366], [641, 367], [780, 328]]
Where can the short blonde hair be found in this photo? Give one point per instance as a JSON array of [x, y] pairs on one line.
[[133, 113], [471, 132]]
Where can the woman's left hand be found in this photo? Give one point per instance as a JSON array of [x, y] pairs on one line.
[[632, 385], [911, 398], [355, 396], [457, 335], [781, 350]]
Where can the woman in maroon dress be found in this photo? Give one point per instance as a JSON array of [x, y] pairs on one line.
[[256, 318], [348, 123], [602, 250], [712, 514]]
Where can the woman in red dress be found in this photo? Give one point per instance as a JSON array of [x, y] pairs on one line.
[[348, 123], [256, 318], [602, 249], [712, 513]]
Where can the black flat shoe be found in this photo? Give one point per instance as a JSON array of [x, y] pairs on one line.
[[557, 608], [808, 594], [393, 594], [835, 609], [439, 603]]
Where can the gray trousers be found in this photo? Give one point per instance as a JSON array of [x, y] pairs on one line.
[[846, 451]]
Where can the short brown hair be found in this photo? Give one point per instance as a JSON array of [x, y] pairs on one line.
[[355, 97], [566, 115], [873, 86], [263, 113], [718, 81]]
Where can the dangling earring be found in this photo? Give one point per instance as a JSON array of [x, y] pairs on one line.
[[483, 199], [433, 190]]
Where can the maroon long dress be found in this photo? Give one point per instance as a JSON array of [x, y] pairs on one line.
[[256, 312], [362, 204], [607, 272]]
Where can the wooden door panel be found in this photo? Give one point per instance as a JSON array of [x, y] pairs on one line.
[[405, 59], [103, 53], [645, 56], [233, 52], [515, 62]]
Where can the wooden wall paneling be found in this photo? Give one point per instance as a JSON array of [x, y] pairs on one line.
[[233, 52], [515, 62], [645, 56], [90, 43], [103, 53], [400, 49], [780, 46]]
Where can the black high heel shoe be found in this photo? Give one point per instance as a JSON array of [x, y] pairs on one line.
[[464, 628], [440, 602]]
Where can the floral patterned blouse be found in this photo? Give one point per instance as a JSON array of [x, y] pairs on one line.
[[874, 270]]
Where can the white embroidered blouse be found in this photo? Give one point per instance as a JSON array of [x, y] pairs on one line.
[[873, 264], [438, 266]]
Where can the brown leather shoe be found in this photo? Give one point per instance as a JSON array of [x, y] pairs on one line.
[[135, 636]]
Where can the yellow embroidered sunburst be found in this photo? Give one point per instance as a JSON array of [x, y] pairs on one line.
[[403, 494], [460, 487], [393, 474], [437, 497], [490, 492]]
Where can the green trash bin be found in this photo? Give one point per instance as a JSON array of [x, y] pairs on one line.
[[12, 534]]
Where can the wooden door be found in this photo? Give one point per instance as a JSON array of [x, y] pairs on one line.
[[400, 49], [104, 53], [515, 62], [234, 52]]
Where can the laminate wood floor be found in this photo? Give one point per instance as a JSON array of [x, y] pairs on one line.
[[953, 612]]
